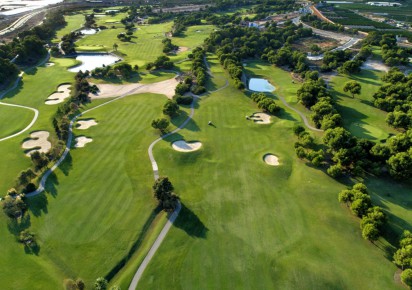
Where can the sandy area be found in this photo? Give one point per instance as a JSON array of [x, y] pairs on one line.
[[63, 92], [85, 124], [38, 142], [166, 87], [261, 118], [271, 159], [50, 64], [375, 65], [184, 146], [82, 141], [182, 49]]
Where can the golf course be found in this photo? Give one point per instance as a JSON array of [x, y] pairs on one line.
[[245, 210]]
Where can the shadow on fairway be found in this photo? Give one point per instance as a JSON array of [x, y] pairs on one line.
[[190, 223], [38, 204], [67, 164]]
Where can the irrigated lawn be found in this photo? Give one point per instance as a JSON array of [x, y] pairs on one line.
[[246, 225], [100, 199], [193, 36], [74, 22], [145, 47], [13, 120]]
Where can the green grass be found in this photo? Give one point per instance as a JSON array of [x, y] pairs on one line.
[[358, 114], [13, 120], [246, 225], [146, 45], [74, 22], [96, 48], [194, 36]]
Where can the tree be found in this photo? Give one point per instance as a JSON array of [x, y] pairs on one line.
[[163, 192], [406, 277], [100, 284], [353, 87], [370, 232], [338, 138], [27, 238], [400, 165], [171, 108], [160, 124]]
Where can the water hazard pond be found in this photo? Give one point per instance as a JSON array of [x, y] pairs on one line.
[[90, 61], [260, 85]]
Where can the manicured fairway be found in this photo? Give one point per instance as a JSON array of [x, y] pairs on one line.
[[74, 22], [246, 225], [358, 114], [146, 46], [107, 184], [194, 36], [13, 119]]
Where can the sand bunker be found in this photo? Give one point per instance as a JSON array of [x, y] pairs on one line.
[[82, 141], [85, 124], [271, 160], [38, 142], [183, 146], [166, 88], [49, 64], [260, 118], [63, 92], [182, 49], [375, 65]]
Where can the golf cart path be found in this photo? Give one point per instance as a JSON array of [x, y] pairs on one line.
[[155, 168], [36, 112]]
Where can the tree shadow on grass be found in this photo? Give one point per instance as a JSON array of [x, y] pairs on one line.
[[181, 118], [189, 222], [67, 164], [135, 246], [15, 226], [38, 204], [51, 183]]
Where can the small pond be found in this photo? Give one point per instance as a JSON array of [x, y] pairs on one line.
[[260, 85], [90, 61], [89, 31]]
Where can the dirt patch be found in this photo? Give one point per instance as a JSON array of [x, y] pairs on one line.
[[183, 146], [166, 88], [38, 142], [82, 141], [324, 44], [62, 93], [260, 118], [375, 65], [85, 124], [271, 160]]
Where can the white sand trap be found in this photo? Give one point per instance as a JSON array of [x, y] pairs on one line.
[[375, 65], [183, 146], [82, 141], [63, 92], [50, 64], [261, 118], [38, 142], [85, 124], [182, 49], [271, 160], [166, 88]]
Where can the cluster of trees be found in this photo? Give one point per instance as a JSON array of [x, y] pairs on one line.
[[183, 21], [163, 192], [14, 204], [162, 62], [305, 147], [234, 43], [403, 256], [122, 70], [395, 97], [168, 46], [8, 71], [373, 219], [161, 124], [265, 103], [314, 21], [333, 59], [89, 20], [67, 44], [171, 108], [314, 95], [199, 71]]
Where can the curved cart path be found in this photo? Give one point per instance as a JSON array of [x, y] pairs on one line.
[[36, 112]]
